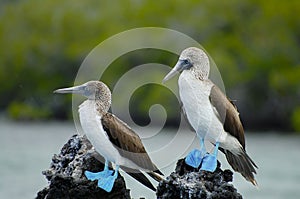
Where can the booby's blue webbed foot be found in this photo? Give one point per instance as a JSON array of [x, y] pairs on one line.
[[209, 162], [108, 183], [99, 175], [195, 157]]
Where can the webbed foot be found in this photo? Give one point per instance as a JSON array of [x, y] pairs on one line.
[[107, 183], [194, 158], [98, 175], [209, 163]]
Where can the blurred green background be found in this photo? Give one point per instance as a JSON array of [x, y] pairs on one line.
[[255, 44]]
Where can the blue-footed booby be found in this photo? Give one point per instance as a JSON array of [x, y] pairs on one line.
[[211, 115], [111, 138]]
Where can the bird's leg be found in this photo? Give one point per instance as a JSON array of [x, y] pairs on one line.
[[202, 149], [209, 162], [106, 167], [99, 175], [194, 158], [108, 183]]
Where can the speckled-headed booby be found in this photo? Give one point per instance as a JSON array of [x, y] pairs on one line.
[[211, 115], [111, 137]]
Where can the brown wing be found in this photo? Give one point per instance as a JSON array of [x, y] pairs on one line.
[[127, 142], [229, 116]]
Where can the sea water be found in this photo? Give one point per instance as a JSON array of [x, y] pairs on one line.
[[27, 149]]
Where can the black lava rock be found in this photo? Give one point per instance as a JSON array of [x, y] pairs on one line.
[[66, 174], [189, 183]]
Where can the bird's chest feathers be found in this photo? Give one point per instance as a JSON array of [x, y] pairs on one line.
[[194, 95], [90, 121], [89, 117]]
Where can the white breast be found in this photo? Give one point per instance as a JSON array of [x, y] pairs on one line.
[[91, 123], [194, 95]]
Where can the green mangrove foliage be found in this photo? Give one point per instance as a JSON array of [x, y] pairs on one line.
[[255, 44]]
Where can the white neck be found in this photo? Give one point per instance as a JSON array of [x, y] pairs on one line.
[[201, 69]]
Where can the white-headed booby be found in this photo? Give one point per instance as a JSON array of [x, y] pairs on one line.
[[211, 115], [111, 137]]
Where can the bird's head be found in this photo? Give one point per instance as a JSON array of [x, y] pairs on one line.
[[193, 59], [93, 90]]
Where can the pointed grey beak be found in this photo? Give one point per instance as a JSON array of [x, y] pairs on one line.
[[177, 69], [74, 90]]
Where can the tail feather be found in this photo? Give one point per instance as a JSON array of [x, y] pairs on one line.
[[143, 179], [139, 176], [243, 164], [156, 175], [158, 172]]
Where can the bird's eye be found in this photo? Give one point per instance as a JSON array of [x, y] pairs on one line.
[[186, 61]]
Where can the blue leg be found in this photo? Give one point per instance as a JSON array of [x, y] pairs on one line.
[[209, 162], [99, 175], [108, 183], [194, 158]]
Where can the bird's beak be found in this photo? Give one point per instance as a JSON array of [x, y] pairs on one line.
[[74, 90], [177, 69]]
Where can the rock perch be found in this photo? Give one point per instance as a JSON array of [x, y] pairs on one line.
[[67, 181], [189, 183], [66, 174]]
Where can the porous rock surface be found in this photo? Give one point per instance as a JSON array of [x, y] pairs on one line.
[[66, 174], [190, 183]]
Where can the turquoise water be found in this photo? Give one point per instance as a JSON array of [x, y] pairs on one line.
[[27, 149]]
